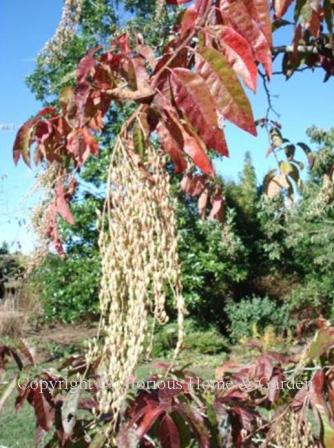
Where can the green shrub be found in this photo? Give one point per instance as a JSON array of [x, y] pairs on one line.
[[69, 287], [203, 340], [312, 299], [255, 311]]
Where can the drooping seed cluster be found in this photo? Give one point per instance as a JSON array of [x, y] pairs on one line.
[[159, 8], [231, 242], [293, 431], [39, 222], [325, 196], [140, 266], [65, 31]]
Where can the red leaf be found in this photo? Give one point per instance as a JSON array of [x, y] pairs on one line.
[[192, 96], [331, 399], [281, 6], [146, 52], [4, 356], [62, 206], [168, 433], [194, 147], [245, 419], [193, 184], [52, 230], [81, 144], [121, 43], [24, 138], [162, 82], [82, 92], [195, 420], [217, 210], [86, 65], [314, 24], [259, 10], [320, 408], [201, 5], [46, 111], [317, 388], [22, 142], [43, 132], [135, 72], [203, 202], [43, 408], [300, 398], [188, 19], [264, 368], [235, 13], [186, 138], [274, 387], [88, 404], [151, 414], [238, 52], [172, 148]]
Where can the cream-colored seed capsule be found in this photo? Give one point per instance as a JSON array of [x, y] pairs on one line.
[[139, 260], [292, 431], [65, 31]]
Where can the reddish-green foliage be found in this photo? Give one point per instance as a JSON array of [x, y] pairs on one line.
[[183, 93], [231, 410], [192, 87]]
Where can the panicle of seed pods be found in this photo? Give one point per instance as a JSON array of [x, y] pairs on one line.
[[325, 197], [65, 31], [159, 6], [138, 244], [39, 221], [292, 431]]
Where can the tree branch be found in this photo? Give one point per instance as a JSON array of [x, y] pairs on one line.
[[311, 49], [270, 107]]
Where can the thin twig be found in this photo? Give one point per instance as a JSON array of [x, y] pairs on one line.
[[302, 69], [270, 107]]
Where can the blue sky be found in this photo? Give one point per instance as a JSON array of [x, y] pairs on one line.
[[26, 25]]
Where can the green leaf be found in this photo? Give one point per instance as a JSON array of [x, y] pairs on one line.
[[322, 341], [276, 138], [139, 141], [99, 440], [290, 151], [225, 88], [285, 168], [294, 173], [308, 152], [328, 432]]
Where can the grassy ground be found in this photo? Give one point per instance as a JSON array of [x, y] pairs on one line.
[[17, 429]]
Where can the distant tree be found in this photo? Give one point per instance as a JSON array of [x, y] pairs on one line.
[[11, 266], [255, 232], [4, 249]]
